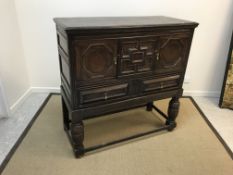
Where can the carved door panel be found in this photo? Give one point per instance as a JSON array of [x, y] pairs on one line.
[[172, 54], [95, 59], [137, 55]]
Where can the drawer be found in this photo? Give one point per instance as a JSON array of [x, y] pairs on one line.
[[161, 83], [103, 93]]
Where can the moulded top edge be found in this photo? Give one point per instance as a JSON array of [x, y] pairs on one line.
[[120, 22]]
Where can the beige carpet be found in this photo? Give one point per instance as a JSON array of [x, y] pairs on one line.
[[191, 149]]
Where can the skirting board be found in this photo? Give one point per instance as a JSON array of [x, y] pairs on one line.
[[19, 101], [45, 89], [31, 90], [57, 90], [202, 93]]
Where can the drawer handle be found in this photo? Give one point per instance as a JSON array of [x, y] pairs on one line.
[[105, 96], [157, 56], [115, 60], [161, 85]]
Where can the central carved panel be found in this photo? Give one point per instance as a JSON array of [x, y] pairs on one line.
[[137, 56]]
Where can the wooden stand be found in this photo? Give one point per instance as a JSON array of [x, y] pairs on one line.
[[75, 129]]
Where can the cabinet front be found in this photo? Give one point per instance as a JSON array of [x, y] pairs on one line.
[[107, 69], [95, 59]]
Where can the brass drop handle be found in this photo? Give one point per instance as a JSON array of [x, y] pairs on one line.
[[161, 85], [115, 60], [105, 96], [157, 56]]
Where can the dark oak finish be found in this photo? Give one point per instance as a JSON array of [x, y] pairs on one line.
[[113, 64]]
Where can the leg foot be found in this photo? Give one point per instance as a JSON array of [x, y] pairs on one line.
[[149, 106], [173, 110], [77, 135], [172, 125], [79, 152]]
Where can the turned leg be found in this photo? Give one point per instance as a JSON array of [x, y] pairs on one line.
[[173, 110], [66, 120], [77, 135], [149, 106]]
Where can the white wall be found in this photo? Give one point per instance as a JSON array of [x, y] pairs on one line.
[[13, 69], [208, 54]]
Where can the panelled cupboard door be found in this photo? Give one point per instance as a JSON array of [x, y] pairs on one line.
[[172, 54], [95, 59], [154, 54]]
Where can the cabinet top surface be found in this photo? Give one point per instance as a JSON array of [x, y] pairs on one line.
[[120, 22]]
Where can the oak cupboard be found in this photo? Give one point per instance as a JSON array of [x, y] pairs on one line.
[[110, 64]]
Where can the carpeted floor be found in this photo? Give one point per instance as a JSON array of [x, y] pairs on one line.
[[192, 148]]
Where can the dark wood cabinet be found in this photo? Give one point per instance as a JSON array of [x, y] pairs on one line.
[[117, 63]]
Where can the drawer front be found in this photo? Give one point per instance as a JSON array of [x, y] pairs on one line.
[[95, 59], [103, 94], [137, 55], [161, 83]]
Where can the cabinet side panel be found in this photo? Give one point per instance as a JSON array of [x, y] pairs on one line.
[[62, 42], [65, 69], [65, 64]]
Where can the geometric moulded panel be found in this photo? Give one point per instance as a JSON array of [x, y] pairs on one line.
[[97, 59]]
